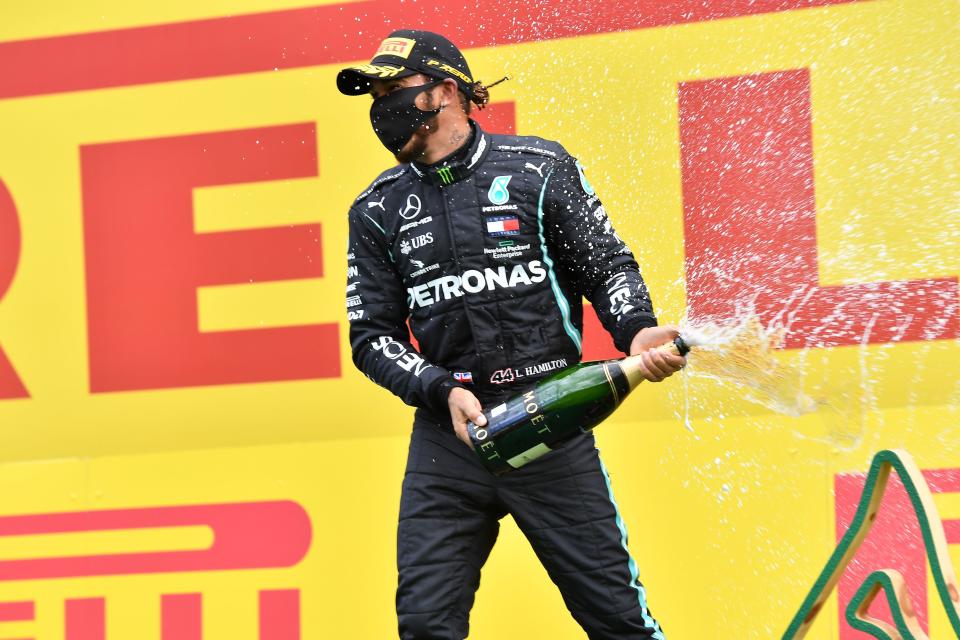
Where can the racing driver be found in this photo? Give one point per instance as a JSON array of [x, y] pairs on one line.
[[486, 245]]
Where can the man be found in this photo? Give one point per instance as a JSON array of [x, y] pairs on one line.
[[486, 243]]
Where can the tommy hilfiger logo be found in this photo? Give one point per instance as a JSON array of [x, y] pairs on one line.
[[502, 226]]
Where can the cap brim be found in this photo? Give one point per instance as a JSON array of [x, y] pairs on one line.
[[355, 81]]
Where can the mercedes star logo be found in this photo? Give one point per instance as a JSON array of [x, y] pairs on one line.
[[412, 210]]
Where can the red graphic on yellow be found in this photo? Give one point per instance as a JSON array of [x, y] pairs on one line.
[[10, 384], [747, 153], [268, 534], [399, 47], [255, 535], [315, 36], [144, 262]]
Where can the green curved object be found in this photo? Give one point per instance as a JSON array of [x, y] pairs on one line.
[[935, 544], [901, 608]]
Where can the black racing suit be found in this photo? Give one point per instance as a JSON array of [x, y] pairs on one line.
[[488, 255]]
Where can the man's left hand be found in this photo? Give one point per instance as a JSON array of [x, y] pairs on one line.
[[657, 364]]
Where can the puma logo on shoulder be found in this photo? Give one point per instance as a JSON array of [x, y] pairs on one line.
[[539, 169]]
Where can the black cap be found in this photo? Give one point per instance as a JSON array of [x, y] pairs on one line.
[[404, 53]]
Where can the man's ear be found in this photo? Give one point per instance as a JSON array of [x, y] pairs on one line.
[[450, 89]]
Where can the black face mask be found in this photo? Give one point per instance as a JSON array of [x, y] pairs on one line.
[[395, 116]]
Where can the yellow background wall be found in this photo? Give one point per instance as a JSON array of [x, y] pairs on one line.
[[730, 522]]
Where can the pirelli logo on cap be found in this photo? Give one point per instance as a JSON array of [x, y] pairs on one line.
[[399, 47], [443, 66]]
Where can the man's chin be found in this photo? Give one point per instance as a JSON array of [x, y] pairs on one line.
[[416, 146], [413, 150]]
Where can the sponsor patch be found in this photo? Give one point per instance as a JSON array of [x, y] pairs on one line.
[[411, 208], [502, 226], [382, 71], [421, 240], [445, 174], [463, 376], [411, 225], [406, 360], [498, 193], [474, 281], [618, 288], [443, 66], [354, 301], [499, 207], [538, 168], [538, 150], [423, 270], [379, 181], [354, 315], [507, 249], [399, 47]]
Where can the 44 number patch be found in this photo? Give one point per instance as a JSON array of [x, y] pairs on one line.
[[503, 376]]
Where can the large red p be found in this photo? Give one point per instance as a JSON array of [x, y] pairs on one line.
[[10, 384]]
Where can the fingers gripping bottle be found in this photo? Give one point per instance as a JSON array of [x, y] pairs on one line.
[[557, 408]]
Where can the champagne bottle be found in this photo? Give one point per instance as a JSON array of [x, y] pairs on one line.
[[557, 408]]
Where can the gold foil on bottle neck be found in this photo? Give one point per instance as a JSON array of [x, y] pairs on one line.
[[613, 387], [632, 365], [631, 368]]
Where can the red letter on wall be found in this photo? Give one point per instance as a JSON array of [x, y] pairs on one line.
[[144, 262], [181, 616], [10, 384], [85, 619], [750, 222]]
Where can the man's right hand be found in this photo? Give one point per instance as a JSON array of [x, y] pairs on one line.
[[464, 406]]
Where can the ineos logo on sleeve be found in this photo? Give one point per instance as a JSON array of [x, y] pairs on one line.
[[412, 210]]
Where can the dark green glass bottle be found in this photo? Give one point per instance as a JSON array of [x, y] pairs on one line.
[[557, 408]]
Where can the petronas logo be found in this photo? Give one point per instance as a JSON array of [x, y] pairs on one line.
[[498, 193], [445, 174]]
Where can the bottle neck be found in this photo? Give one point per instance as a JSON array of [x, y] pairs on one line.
[[631, 365]]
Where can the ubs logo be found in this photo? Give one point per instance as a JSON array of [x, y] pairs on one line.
[[412, 208], [422, 240]]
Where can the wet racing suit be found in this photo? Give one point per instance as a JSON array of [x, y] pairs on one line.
[[487, 255]]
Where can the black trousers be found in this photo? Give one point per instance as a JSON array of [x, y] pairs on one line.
[[449, 518]]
